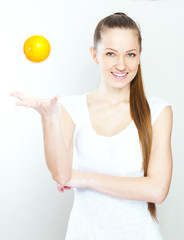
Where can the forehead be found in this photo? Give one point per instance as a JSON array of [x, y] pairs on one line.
[[118, 38]]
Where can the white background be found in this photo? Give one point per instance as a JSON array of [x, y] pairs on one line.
[[31, 208]]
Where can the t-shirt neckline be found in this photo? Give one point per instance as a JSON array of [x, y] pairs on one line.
[[90, 124]]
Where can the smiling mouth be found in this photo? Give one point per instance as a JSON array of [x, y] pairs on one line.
[[119, 76]]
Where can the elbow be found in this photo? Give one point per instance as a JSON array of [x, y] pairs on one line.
[[62, 179], [159, 192], [161, 196]]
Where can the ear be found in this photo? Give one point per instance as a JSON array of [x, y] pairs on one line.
[[93, 55]]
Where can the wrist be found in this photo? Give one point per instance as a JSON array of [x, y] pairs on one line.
[[87, 180], [50, 118]]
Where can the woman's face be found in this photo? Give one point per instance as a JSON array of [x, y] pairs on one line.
[[117, 54]]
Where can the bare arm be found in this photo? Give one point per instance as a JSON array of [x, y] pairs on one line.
[[56, 151], [131, 188], [58, 131], [154, 187], [58, 144]]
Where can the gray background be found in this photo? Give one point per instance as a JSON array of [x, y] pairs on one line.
[[31, 208]]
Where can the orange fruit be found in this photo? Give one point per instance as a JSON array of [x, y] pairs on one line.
[[37, 48]]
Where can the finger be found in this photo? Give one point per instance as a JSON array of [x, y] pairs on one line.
[[20, 95], [61, 190], [67, 188], [53, 100], [40, 103], [20, 104], [23, 104]]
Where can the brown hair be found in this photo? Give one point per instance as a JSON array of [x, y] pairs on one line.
[[139, 107]]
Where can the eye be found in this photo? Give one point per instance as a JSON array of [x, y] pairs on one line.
[[131, 54], [109, 53]]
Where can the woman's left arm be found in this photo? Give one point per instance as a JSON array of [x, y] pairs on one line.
[[152, 188]]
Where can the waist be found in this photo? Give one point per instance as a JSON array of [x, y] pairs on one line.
[[88, 201]]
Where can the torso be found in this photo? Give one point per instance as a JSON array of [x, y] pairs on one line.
[[106, 119]]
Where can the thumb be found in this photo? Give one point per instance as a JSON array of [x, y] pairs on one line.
[[53, 100]]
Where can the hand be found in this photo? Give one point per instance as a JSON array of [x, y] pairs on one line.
[[78, 180], [61, 188], [46, 107]]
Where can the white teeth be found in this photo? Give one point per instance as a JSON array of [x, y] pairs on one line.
[[119, 75]]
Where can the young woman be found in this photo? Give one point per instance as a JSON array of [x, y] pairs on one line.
[[111, 145]]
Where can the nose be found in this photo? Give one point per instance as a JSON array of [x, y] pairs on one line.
[[120, 64]]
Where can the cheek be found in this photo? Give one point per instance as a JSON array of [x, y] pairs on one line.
[[134, 70], [133, 66], [106, 63]]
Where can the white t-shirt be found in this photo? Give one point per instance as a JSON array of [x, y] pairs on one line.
[[95, 215]]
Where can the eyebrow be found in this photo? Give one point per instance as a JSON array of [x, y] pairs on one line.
[[116, 51]]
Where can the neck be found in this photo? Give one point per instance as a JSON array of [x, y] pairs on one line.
[[114, 95]]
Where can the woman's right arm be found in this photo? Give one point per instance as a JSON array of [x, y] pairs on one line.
[[58, 145], [58, 129]]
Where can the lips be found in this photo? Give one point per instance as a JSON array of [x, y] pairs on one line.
[[119, 76]]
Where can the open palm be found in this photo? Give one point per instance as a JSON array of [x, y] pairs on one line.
[[46, 107]]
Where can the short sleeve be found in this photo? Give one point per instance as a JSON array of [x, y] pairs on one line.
[[71, 104], [157, 105]]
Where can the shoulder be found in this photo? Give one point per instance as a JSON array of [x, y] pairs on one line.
[[155, 101], [70, 101], [159, 106]]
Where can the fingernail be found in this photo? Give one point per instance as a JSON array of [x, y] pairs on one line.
[[66, 187]]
